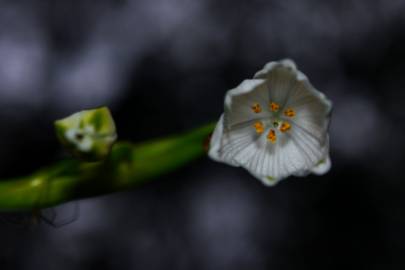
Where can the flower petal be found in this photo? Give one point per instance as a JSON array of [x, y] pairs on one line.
[[324, 165], [227, 143], [239, 101], [280, 78], [293, 155], [216, 141], [267, 180], [309, 126], [311, 107], [234, 136]]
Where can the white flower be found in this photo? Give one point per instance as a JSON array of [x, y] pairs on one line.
[[274, 125]]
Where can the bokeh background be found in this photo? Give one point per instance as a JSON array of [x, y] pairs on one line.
[[163, 66]]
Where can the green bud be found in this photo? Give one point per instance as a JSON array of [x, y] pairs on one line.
[[88, 134]]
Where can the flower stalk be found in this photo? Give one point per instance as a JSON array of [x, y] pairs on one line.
[[128, 166]]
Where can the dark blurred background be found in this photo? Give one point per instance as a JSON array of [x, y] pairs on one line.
[[163, 66]]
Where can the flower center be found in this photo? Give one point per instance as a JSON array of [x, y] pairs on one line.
[[274, 124]]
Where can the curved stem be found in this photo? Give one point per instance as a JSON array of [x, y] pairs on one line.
[[128, 166]]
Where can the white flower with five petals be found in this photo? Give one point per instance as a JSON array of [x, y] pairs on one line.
[[274, 125]]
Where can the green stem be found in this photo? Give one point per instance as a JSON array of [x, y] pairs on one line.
[[128, 166]]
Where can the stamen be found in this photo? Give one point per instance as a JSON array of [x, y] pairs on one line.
[[272, 136], [274, 107], [256, 108], [259, 127], [285, 127], [289, 112]]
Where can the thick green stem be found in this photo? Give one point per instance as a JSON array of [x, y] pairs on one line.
[[128, 166]]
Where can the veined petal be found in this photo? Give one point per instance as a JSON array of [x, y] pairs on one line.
[[267, 180], [292, 156], [303, 92], [263, 73], [308, 151], [234, 134], [227, 143], [311, 107], [322, 167], [215, 142], [280, 78], [239, 102], [324, 164], [269, 159]]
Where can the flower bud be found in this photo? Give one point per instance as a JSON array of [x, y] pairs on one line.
[[89, 134]]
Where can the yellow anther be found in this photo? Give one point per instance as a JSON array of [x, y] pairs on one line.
[[285, 127], [256, 108], [259, 127], [274, 107], [289, 112], [272, 136]]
